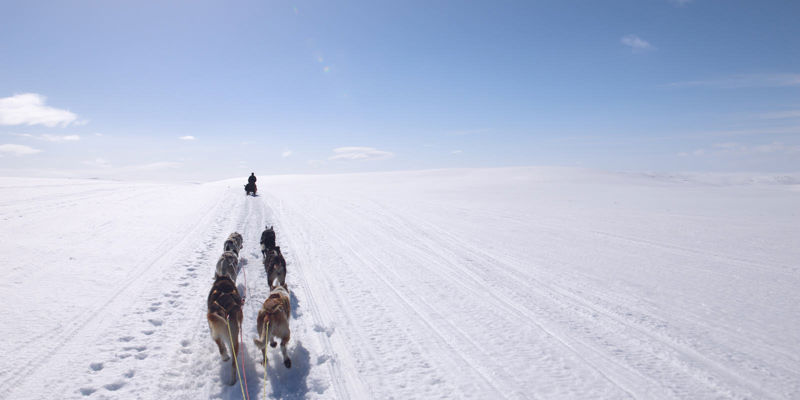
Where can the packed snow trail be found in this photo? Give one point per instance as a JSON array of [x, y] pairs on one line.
[[498, 283]]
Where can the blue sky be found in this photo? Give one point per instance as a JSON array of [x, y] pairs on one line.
[[207, 90]]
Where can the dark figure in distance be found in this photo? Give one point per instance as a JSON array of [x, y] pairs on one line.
[[251, 184]]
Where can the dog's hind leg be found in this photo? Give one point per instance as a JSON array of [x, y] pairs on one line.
[[222, 350], [271, 277], [214, 327], [282, 276], [271, 337], [287, 362], [234, 334]]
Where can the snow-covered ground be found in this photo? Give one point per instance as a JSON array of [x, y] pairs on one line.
[[487, 283]]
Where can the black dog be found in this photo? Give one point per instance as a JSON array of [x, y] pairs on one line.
[[267, 241]]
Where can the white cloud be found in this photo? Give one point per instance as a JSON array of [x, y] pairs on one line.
[[18, 149], [187, 137], [359, 153], [636, 43], [681, 2], [734, 148], [456, 152], [286, 153], [98, 162], [60, 138], [745, 81], [50, 138], [30, 109]]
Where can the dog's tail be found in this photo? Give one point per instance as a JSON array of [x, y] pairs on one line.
[[216, 323], [261, 340]]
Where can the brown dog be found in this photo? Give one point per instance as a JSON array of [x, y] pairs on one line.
[[273, 321], [224, 308]]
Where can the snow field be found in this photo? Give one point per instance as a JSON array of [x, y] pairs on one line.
[[553, 283], [146, 337], [514, 283]]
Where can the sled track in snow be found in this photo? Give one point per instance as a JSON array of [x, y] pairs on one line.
[[296, 274], [682, 360], [580, 339], [410, 297]]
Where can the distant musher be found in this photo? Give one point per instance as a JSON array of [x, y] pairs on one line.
[[251, 184]]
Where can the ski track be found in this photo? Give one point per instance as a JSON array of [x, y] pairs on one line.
[[411, 296]]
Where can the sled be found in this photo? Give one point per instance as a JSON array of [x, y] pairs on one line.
[[250, 188]]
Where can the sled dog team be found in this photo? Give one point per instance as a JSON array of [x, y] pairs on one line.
[[225, 303]]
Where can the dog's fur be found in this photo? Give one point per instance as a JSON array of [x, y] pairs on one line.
[[228, 265], [237, 237], [231, 245], [275, 266], [267, 241], [275, 310], [225, 307]]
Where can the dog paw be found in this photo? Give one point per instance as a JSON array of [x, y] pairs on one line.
[[225, 357], [288, 363]]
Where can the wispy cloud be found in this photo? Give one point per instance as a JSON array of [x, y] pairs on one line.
[[465, 132], [734, 148], [698, 152], [98, 163], [745, 81], [359, 153], [18, 149], [286, 153], [781, 114], [187, 137], [681, 2], [61, 138], [50, 138], [780, 130], [30, 109], [636, 43], [456, 152]]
